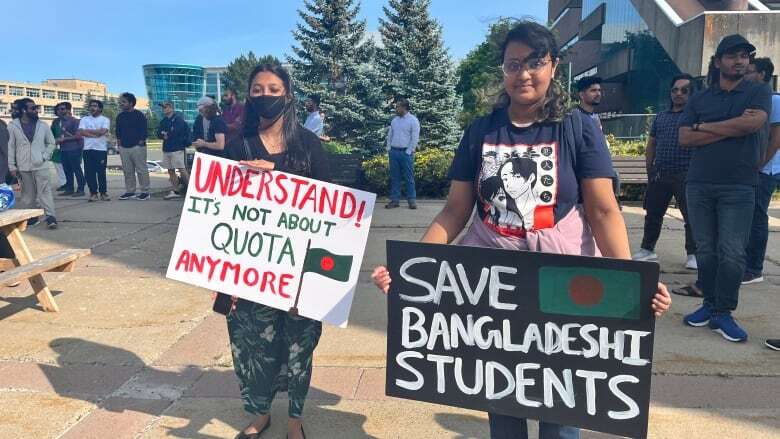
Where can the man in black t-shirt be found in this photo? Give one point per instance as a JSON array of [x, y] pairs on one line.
[[721, 125]]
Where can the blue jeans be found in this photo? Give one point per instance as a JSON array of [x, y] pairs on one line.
[[401, 167], [759, 233], [721, 230], [71, 164], [508, 427]]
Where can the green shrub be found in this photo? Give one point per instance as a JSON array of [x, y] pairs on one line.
[[430, 172], [334, 147], [626, 147]]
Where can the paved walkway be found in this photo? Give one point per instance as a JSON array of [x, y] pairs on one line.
[[132, 354]]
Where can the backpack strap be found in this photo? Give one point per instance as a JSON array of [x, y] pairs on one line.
[[572, 132]]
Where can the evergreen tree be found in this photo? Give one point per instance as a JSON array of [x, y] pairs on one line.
[[237, 72], [416, 65], [333, 59]]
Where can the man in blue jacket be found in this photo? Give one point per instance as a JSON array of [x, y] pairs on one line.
[[176, 137]]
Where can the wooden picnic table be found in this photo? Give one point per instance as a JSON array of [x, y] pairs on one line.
[[24, 266]]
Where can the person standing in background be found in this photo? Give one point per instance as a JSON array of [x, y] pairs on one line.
[[176, 136], [30, 145], [667, 167], [131, 132], [722, 125], [94, 129], [233, 115], [402, 139], [210, 130], [71, 147]]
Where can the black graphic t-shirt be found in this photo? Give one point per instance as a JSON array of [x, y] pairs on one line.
[[527, 178]]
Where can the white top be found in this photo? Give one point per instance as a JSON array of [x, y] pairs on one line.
[[404, 133], [95, 123], [773, 167], [314, 123]]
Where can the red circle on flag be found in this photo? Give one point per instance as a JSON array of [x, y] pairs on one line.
[[327, 263], [586, 290]]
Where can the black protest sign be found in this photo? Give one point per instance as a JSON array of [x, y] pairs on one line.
[[562, 339]]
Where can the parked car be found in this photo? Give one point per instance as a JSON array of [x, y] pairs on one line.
[[154, 166]]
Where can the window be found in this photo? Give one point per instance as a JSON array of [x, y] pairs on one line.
[[4, 108], [2, 89], [48, 94], [17, 91], [63, 95], [78, 97], [561, 15], [48, 110], [34, 92]]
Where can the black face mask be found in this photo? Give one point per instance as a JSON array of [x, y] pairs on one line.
[[269, 107]]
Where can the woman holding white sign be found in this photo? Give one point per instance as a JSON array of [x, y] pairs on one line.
[[554, 173], [273, 349]]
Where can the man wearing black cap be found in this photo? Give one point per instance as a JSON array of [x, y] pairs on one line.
[[721, 125]]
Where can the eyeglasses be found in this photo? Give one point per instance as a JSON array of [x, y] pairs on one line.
[[532, 66]]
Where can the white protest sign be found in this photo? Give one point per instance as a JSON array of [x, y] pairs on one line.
[[274, 238]]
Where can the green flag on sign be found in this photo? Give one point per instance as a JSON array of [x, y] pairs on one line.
[[580, 291], [325, 263]]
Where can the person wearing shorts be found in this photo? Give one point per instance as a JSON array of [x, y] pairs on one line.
[[175, 134]]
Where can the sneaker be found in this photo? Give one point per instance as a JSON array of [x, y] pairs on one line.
[[127, 196], [78, 194], [172, 195], [32, 221], [412, 205], [725, 325], [67, 193], [773, 344], [142, 196], [63, 188], [104, 197], [750, 278], [700, 317], [690, 263], [93, 197], [644, 255], [51, 222], [392, 205]]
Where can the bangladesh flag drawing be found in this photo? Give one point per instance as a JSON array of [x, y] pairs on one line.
[[325, 263], [579, 291]]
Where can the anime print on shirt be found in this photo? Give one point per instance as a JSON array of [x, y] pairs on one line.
[[517, 186]]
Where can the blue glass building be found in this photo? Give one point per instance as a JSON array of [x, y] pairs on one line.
[[181, 84]]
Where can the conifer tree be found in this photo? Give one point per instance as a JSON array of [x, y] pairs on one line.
[[333, 59], [415, 64]]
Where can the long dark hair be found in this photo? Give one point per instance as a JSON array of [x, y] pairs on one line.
[[297, 157], [543, 43]]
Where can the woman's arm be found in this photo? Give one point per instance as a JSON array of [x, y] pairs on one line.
[[445, 226], [604, 218], [453, 217]]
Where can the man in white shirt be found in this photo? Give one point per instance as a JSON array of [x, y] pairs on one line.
[[313, 118], [94, 129], [402, 139]]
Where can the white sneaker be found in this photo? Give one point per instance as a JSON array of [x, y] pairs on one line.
[[171, 196], [644, 255], [691, 263]]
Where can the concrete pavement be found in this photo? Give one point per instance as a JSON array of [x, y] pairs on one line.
[[133, 355]]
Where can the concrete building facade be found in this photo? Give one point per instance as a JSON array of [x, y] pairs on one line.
[[53, 91], [637, 46]]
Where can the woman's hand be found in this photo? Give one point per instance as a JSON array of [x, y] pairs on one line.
[[662, 301], [381, 278], [261, 165], [199, 143]]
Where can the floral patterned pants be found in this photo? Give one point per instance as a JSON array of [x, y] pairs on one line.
[[272, 352]]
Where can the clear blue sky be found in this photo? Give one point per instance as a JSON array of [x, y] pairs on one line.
[[110, 41]]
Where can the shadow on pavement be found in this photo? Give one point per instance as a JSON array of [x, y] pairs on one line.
[[156, 392]]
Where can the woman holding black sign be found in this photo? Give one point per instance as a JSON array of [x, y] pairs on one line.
[[273, 349], [550, 170]]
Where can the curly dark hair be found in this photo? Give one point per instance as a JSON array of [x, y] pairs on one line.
[[542, 41]]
